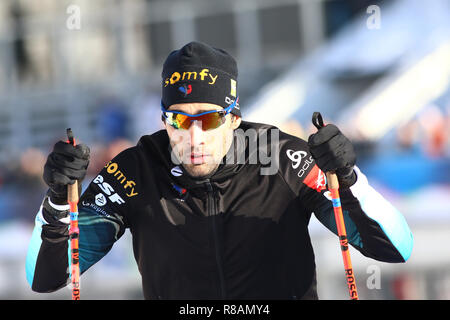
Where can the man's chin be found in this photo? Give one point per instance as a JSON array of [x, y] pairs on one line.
[[200, 170]]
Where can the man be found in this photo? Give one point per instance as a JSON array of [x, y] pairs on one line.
[[218, 207]]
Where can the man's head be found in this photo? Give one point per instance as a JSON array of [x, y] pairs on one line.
[[200, 105]]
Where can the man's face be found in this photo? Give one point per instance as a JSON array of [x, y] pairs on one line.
[[200, 152]]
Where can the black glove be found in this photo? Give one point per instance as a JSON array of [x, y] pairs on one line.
[[332, 151], [65, 164]]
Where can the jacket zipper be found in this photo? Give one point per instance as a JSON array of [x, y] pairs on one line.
[[212, 212]]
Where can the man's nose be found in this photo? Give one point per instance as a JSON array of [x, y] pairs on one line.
[[197, 135]]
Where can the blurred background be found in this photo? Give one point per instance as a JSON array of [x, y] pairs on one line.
[[380, 70]]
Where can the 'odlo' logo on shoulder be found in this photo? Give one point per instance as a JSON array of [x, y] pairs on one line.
[[296, 157]]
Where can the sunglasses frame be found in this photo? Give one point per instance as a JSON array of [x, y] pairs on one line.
[[222, 113]]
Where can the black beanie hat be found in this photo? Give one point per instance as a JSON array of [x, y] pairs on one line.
[[200, 73]]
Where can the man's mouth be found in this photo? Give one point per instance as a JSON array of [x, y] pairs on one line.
[[199, 158]]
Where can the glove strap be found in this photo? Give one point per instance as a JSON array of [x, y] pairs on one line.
[[347, 181], [56, 211]]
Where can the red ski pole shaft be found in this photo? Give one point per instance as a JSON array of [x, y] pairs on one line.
[[74, 232], [333, 187]]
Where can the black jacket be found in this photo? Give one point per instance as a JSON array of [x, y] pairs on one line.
[[241, 233]]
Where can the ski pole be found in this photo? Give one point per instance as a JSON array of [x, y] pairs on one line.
[[74, 232], [333, 187]]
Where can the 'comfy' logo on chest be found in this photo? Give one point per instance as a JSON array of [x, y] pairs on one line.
[[128, 185]]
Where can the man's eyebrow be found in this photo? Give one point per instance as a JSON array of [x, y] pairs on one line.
[[201, 111]]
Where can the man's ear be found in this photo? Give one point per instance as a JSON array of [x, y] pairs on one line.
[[235, 121]]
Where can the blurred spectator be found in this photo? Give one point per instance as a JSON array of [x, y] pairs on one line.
[[21, 55], [408, 136], [432, 122], [98, 159], [442, 285], [146, 113], [23, 187], [113, 120], [101, 154], [117, 146], [405, 287], [419, 156]]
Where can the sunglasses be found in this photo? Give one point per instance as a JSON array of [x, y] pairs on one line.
[[209, 119]]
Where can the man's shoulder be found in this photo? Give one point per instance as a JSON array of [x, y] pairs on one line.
[[146, 146], [274, 134], [153, 142], [293, 156]]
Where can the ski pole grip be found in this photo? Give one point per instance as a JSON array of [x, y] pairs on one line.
[[70, 137], [72, 192], [332, 179], [72, 189]]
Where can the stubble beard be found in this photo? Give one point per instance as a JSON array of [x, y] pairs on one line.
[[200, 170]]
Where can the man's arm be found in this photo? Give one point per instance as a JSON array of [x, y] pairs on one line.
[[379, 230], [373, 225], [101, 222], [48, 258]]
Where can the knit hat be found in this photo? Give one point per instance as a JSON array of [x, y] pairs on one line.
[[200, 73]]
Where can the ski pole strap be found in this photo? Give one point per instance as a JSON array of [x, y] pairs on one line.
[[317, 120]]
